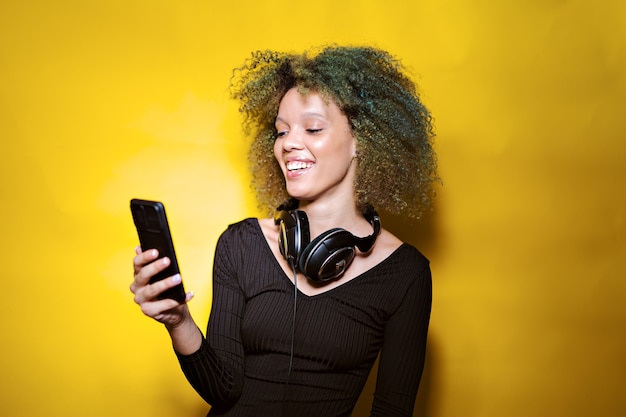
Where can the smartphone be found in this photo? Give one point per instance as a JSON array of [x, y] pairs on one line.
[[154, 233]]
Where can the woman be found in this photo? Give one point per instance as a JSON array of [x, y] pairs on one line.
[[304, 301]]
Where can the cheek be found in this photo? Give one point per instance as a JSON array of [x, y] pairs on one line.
[[347, 147]]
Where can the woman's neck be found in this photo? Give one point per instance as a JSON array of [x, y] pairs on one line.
[[325, 215]]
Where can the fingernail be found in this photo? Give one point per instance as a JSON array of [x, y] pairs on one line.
[[154, 252], [176, 278], [165, 261]]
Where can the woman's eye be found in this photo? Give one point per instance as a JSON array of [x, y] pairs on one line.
[[314, 130], [280, 134]]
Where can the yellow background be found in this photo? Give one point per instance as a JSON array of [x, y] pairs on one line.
[[104, 101]]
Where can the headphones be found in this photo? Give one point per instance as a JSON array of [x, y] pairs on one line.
[[329, 254]]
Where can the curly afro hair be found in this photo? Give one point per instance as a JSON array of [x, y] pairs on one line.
[[396, 163]]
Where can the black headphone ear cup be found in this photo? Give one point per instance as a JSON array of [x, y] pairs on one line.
[[328, 255], [294, 233]]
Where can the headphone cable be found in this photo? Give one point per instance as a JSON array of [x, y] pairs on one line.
[[293, 334], [293, 318]]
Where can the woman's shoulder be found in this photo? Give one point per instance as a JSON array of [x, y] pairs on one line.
[[390, 247], [242, 230], [243, 224], [412, 257], [398, 261], [404, 267]]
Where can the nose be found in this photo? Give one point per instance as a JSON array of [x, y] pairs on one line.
[[292, 140]]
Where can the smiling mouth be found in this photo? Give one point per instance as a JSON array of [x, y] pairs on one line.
[[298, 165]]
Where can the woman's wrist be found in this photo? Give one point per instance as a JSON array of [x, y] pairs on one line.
[[186, 336]]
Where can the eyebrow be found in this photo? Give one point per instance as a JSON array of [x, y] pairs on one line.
[[305, 115]]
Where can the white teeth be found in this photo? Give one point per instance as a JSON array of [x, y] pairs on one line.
[[295, 165]]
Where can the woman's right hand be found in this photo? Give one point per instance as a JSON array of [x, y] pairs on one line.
[[167, 311]]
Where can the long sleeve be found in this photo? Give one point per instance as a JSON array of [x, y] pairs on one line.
[[216, 370], [403, 352]]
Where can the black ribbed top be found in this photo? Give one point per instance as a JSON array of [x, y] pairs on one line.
[[242, 367]]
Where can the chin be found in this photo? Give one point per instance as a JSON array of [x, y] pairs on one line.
[[299, 195]]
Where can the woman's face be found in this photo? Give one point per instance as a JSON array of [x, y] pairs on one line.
[[314, 147]]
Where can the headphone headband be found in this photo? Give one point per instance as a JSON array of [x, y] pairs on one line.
[[365, 243]]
